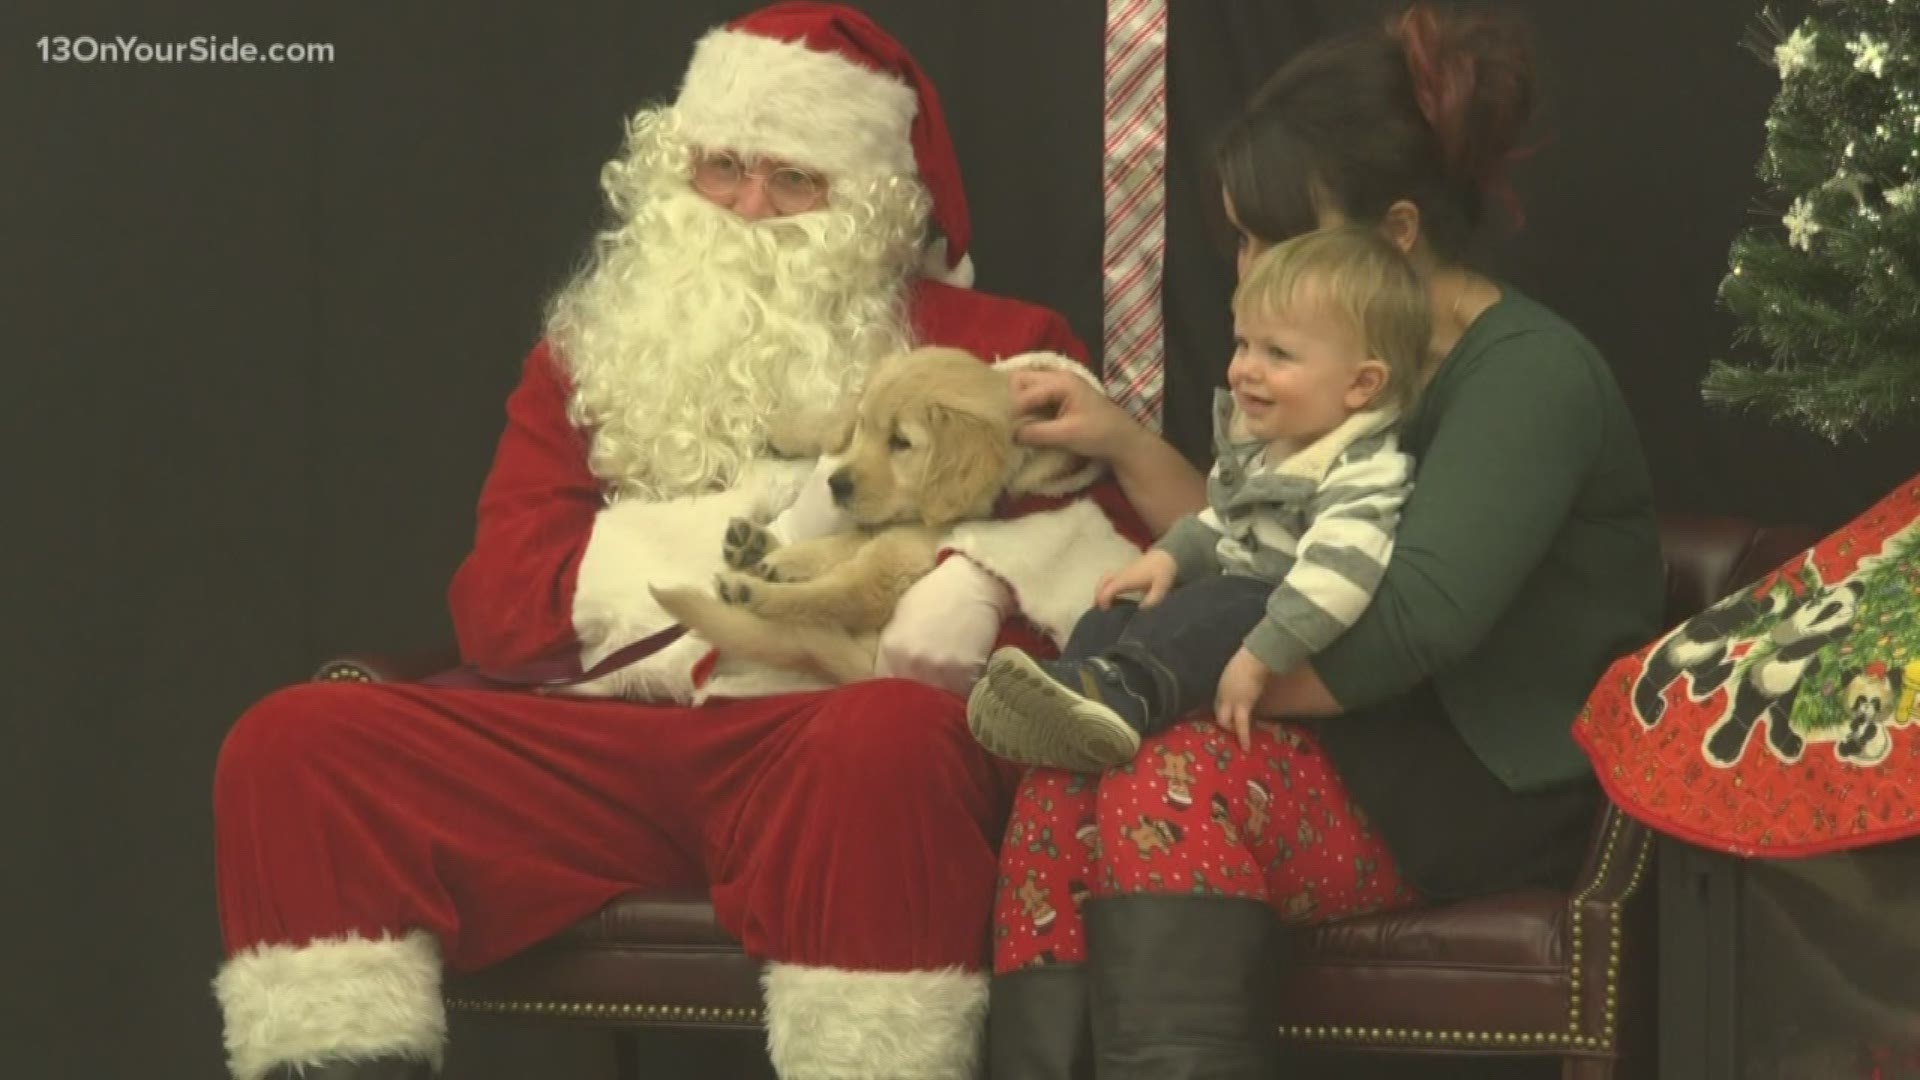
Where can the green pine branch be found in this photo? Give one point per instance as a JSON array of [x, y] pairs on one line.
[[1827, 291]]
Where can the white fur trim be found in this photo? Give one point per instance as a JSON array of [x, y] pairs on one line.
[[334, 998], [1089, 470], [758, 95], [733, 678], [933, 264], [673, 543], [1053, 560], [831, 1024], [1048, 361]]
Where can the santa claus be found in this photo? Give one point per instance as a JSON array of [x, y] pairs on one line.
[[795, 213]]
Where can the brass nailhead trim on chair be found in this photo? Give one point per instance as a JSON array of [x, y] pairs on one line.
[[1570, 1039], [344, 673], [597, 1010]]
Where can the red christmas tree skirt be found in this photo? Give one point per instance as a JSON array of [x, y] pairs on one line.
[[1785, 720]]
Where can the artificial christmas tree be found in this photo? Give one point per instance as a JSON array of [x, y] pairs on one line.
[[1830, 292]]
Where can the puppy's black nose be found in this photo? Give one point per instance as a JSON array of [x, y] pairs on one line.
[[841, 484]]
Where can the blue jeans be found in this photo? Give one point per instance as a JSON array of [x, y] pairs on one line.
[[1180, 645]]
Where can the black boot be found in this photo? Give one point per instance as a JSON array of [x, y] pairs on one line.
[[386, 1068], [1037, 1025], [1183, 987]]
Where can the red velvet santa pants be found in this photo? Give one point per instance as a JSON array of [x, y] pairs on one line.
[[1192, 814], [853, 829]]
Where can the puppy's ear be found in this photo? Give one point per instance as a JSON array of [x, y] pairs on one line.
[[968, 456], [1037, 466], [794, 435], [806, 433], [836, 431]]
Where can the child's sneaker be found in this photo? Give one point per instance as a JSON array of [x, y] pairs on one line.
[[1071, 714]]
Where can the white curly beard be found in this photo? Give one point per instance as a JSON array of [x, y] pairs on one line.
[[692, 326]]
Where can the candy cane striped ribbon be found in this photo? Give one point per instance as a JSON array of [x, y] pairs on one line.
[[1135, 178]]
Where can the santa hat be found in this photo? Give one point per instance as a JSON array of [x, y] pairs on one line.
[[821, 86]]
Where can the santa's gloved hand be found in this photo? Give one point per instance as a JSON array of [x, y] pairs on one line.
[[944, 626], [813, 513]]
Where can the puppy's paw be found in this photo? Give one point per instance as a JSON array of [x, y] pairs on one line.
[[734, 588], [746, 543], [789, 565]]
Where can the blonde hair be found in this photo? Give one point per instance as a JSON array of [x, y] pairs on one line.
[[1361, 279]]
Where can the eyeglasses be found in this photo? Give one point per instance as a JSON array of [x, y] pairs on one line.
[[790, 190]]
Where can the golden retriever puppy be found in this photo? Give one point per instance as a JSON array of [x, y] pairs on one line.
[[927, 444]]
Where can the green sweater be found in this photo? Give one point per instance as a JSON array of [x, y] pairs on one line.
[[1528, 555]]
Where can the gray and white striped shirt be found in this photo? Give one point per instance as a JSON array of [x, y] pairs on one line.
[[1317, 523]]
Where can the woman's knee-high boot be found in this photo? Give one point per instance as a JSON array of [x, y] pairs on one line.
[[1037, 1024], [1183, 987]]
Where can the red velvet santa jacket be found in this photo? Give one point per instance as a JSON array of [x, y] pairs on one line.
[[555, 572]]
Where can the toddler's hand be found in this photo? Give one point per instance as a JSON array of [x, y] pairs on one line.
[[1241, 685], [1152, 574]]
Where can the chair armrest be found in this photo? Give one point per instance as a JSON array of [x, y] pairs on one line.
[[388, 667], [1615, 849], [1610, 938]]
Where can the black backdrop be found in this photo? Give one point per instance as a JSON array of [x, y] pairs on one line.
[[261, 321]]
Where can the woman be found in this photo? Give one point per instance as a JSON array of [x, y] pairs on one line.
[[1425, 755]]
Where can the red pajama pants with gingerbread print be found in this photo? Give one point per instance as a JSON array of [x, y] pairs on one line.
[[1192, 814]]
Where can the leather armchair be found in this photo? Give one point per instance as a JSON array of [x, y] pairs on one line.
[[1538, 972]]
